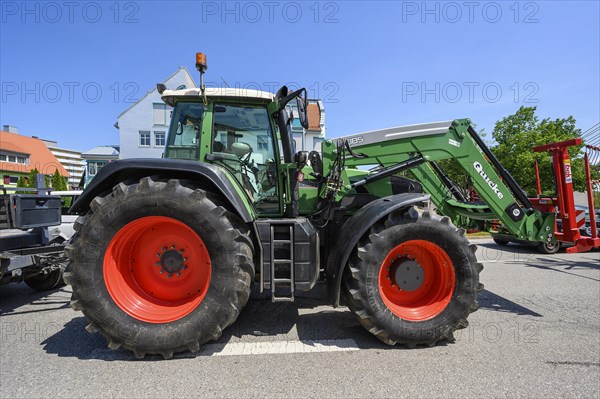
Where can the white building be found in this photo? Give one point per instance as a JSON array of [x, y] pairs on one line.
[[70, 159], [143, 126], [96, 158], [309, 139]]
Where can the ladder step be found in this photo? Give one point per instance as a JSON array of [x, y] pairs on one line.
[[285, 283], [282, 299]]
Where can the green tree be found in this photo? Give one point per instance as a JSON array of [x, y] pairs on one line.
[[59, 183], [32, 173], [517, 134], [22, 182]]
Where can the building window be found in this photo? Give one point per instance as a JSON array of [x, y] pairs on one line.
[[159, 139], [160, 113], [144, 139], [14, 180], [6, 179], [263, 143], [22, 159], [92, 168]]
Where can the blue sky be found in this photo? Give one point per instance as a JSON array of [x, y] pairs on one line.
[[68, 69]]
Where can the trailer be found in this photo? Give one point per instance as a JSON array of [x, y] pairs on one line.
[[28, 252]]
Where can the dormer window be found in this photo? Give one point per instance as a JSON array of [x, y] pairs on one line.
[[22, 159]]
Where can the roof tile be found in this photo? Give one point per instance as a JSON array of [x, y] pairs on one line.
[[40, 157]]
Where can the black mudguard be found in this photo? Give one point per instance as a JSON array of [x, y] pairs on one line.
[[209, 176], [354, 228]]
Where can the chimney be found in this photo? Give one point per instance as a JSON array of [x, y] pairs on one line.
[[10, 129]]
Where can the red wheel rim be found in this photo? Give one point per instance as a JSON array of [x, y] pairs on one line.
[[157, 269], [436, 287]]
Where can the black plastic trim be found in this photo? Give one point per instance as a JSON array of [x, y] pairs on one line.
[[118, 171]]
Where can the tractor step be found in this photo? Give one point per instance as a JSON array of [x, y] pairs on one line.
[[282, 252], [289, 256]]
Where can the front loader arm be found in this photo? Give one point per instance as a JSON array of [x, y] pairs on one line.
[[504, 199]]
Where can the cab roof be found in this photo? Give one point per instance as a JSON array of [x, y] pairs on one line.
[[170, 96]]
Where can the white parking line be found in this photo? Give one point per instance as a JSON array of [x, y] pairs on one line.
[[278, 347]]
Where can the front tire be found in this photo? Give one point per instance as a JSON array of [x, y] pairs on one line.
[[159, 267], [413, 279]]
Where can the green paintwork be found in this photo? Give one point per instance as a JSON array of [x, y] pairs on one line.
[[534, 226], [454, 143]]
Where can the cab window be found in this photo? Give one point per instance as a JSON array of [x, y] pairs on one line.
[[243, 139], [185, 130]]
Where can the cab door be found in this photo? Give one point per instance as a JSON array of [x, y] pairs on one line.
[[243, 140]]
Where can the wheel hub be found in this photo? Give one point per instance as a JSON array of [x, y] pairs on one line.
[[408, 275], [172, 261]]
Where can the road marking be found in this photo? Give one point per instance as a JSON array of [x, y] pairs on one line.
[[278, 347]]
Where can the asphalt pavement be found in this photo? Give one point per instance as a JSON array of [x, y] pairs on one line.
[[536, 334]]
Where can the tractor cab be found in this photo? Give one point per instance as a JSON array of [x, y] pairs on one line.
[[237, 129]]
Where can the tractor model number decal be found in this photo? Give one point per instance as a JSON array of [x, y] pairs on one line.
[[355, 140], [568, 175], [493, 186]]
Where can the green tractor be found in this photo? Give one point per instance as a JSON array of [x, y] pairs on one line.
[[166, 250]]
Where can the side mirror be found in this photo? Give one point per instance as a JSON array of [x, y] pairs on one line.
[[302, 104], [241, 149]]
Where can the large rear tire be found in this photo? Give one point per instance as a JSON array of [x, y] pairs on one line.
[[159, 266], [413, 279]]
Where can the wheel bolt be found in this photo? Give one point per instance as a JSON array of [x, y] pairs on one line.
[[172, 246], [185, 258], [184, 267], [161, 271], [388, 277], [179, 274], [157, 264], [170, 275], [158, 255], [164, 249]]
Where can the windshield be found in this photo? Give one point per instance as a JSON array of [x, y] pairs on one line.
[[184, 133]]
